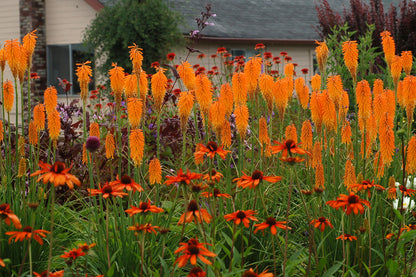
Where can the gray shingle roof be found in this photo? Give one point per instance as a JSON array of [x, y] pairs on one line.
[[253, 19]]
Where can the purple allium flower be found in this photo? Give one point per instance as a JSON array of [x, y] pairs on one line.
[[92, 144]]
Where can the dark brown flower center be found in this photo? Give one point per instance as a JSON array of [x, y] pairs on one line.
[[289, 144], [241, 215], [27, 229], [412, 226], [144, 205], [193, 250], [212, 146], [107, 189], [322, 219], [353, 199], [58, 167], [216, 192], [249, 274], [196, 188], [196, 270], [125, 180], [257, 175], [4, 207], [192, 206], [271, 221]]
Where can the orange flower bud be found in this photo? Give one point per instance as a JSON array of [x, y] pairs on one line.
[[322, 55], [54, 124], [389, 47], [407, 59], [350, 51], [155, 172], [252, 70], [8, 95], [240, 88], [94, 130], [84, 74], [51, 99], [136, 146], [134, 111], [306, 136], [241, 120], [185, 104], [203, 92], [39, 117], [110, 146]]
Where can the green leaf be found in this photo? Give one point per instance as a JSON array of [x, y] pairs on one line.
[[331, 271], [110, 272], [393, 267]]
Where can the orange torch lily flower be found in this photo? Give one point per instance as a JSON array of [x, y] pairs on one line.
[[349, 203], [57, 174], [194, 212], [272, 224], [255, 179], [107, 190], [127, 183], [144, 207], [26, 234], [182, 177], [191, 251], [321, 223], [8, 215], [211, 149], [288, 147], [241, 216]]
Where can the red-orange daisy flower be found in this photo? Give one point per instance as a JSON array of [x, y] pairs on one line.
[[85, 247], [321, 223], [191, 251], [170, 56], [255, 179], [405, 191], [288, 147], [27, 233], [211, 149], [59, 273], [251, 273], [366, 185], [292, 160], [259, 46], [57, 174], [107, 190], [144, 207], [73, 254], [216, 193], [126, 182], [2, 264], [147, 228], [215, 176], [272, 224], [196, 271], [352, 202], [347, 237], [409, 227], [8, 215], [182, 177], [241, 216], [194, 212]]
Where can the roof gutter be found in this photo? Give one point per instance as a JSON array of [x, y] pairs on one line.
[[258, 40]]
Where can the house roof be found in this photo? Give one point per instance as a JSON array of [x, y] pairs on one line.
[[265, 20]]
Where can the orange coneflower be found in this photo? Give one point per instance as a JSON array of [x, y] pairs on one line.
[[251, 273], [86, 247], [240, 88], [185, 104], [389, 47], [306, 136], [272, 224], [217, 116], [144, 207], [321, 223], [39, 117], [51, 99], [136, 143], [255, 179], [214, 176], [347, 237], [203, 92], [130, 86], [226, 98], [192, 250], [288, 147], [215, 193], [182, 177], [27, 234], [194, 213], [84, 73], [8, 96], [136, 57], [396, 69], [45, 273], [134, 111], [94, 130], [73, 254], [110, 146], [107, 190], [350, 51], [155, 172], [321, 54], [252, 71], [127, 183], [196, 271], [146, 228], [54, 124], [57, 174], [8, 216], [187, 75], [13, 54], [349, 203], [407, 59], [159, 85], [366, 185], [241, 216], [406, 192], [241, 119], [210, 150], [117, 82]]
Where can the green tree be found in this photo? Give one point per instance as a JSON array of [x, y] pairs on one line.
[[151, 24]]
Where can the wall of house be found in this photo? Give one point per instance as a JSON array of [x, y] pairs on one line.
[[66, 20]]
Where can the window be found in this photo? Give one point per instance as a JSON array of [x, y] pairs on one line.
[[240, 52], [62, 60]]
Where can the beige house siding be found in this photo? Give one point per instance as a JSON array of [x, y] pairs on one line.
[[66, 20]]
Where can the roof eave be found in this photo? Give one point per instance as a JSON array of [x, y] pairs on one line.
[[258, 40]]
